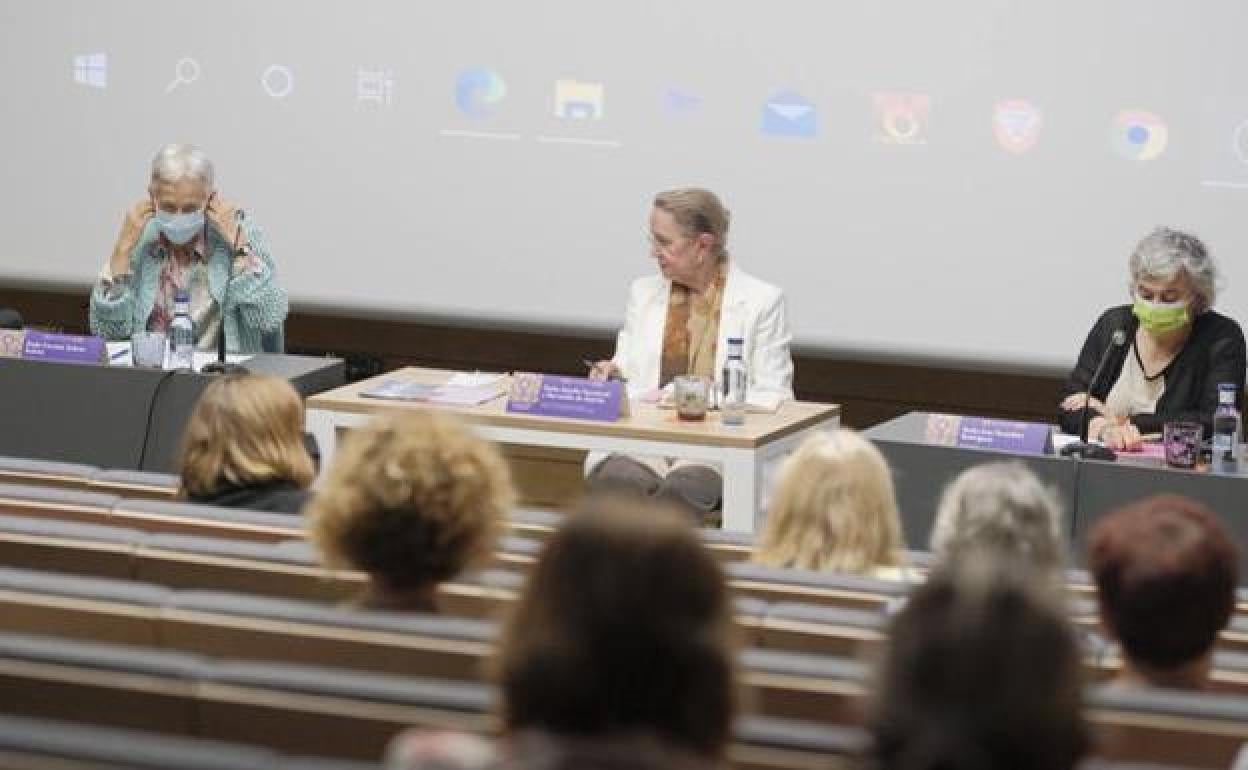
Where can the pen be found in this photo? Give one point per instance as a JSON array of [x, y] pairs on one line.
[[119, 354]]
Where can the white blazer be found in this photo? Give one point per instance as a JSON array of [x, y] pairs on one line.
[[750, 307]]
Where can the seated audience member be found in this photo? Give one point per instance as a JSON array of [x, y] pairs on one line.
[[982, 671], [619, 653], [10, 318], [1177, 348], [678, 322], [1003, 508], [834, 509], [1165, 571], [244, 446], [412, 501], [181, 236]]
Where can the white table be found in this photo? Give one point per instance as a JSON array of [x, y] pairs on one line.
[[742, 452]]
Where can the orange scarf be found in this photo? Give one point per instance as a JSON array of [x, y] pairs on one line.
[[691, 332]]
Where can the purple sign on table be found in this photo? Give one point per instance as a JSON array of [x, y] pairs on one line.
[[550, 395], [1031, 438], [64, 348]]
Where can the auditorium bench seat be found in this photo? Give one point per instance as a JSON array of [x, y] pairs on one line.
[[135, 484], [33, 744], [298, 709], [47, 473]]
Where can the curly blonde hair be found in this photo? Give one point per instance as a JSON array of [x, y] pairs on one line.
[[412, 500], [834, 509], [246, 429]]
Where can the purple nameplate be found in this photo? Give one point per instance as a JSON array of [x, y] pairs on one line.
[[64, 348], [1031, 438], [550, 395]]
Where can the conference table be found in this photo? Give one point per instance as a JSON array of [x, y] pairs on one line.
[[120, 417], [1087, 489], [744, 453]]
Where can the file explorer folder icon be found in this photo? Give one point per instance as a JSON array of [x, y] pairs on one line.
[[577, 100]]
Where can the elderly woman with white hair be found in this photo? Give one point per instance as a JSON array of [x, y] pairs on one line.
[[1002, 509], [185, 237], [1178, 348]]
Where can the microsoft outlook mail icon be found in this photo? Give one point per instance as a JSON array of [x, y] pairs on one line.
[[788, 113], [577, 100]]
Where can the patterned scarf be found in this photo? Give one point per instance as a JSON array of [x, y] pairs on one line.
[[185, 267], [691, 333]]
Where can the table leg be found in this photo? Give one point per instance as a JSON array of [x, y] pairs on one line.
[[742, 470], [322, 424]]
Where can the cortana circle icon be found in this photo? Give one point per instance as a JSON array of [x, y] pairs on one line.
[[278, 81]]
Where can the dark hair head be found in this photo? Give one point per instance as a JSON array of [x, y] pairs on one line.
[[624, 627], [1165, 572], [982, 672]]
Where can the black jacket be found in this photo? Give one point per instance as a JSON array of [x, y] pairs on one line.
[[1214, 353], [276, 497]]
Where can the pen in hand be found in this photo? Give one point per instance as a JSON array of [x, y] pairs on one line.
[[597, 372]]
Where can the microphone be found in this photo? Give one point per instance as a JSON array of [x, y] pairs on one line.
[[1082, 448], [220, 366]]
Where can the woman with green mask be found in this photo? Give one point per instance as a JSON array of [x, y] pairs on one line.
[[1175, 349]]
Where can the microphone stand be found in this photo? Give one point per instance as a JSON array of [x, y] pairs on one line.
[[221, 366], [1084, 449]]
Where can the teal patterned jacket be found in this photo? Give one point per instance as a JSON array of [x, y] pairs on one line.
[[257, 304]]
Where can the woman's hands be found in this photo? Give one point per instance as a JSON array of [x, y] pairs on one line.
[[1116, 433], [1121, 436], [1075, 401], [132, 226], [604, 370], [221, 213]]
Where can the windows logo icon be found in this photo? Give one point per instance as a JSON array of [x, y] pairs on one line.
[[478, 91], [1139, 135], [91, 70]]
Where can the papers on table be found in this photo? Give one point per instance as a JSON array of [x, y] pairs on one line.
[[463, 389]]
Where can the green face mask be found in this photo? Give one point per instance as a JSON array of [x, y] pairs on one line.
[[1161, 317]]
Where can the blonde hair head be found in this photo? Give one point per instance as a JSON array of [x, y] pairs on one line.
[[412, 500], [245, 430], [834, 508], [697, 211]]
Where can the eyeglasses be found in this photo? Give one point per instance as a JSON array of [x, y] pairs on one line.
[[657, 244]]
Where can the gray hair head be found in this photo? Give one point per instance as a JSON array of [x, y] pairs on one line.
[[1003, 509], [1165, 254], [175, 162]]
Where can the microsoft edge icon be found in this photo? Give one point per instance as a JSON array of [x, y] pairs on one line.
[[477, 91]]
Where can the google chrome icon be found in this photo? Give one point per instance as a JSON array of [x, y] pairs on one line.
[[1139, 135], [477, 91]]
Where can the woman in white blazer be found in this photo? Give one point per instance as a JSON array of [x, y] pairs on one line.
[[678, 323]]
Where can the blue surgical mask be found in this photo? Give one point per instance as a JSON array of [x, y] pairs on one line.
[[180, 228]]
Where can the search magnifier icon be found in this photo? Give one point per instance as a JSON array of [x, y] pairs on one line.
[[185, 72]]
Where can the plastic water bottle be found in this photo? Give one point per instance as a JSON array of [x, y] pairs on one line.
[[732, 403], [1226, 429], [182, 333]]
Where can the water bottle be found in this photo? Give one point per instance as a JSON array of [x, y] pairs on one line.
[[1226, 429], [182, 333], [732, 402]]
